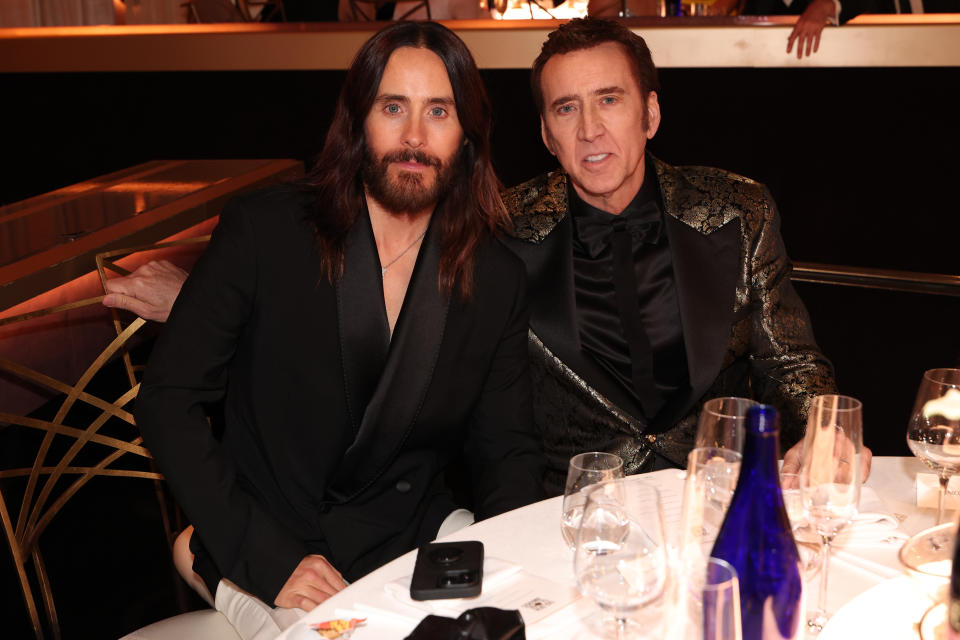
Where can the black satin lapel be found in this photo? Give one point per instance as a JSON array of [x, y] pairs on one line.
[[705, 268], [553, 313], [393, 408], [364, 330], [553, 309]]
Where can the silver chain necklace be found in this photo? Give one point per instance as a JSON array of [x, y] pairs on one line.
[[384, 267]]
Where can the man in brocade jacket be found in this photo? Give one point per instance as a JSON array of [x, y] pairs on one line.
[[652, 288]]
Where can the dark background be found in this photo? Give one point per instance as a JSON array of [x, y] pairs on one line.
[[853, 156], [862, 163]]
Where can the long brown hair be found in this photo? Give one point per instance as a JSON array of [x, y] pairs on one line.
[[472, 208]]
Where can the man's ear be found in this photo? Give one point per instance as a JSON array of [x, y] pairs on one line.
[[653, 114], [546, 136]]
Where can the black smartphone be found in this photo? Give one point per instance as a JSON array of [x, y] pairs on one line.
[[448, 570]]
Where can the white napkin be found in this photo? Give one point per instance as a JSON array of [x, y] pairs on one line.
[[381, 626], [928, 492], [874, 526]]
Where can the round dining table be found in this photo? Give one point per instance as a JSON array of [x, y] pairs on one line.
[[869, 591]]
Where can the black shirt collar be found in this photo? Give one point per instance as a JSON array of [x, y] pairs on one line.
[[646, 207]]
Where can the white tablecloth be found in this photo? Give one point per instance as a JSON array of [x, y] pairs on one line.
[[530, 536]]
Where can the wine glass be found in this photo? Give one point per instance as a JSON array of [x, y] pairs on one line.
[[711, 479], [722, 422], [830, 478], [621, 554], [585, 469], [808, 541], [934, 431], [708, 603], [708, 606], [718, 613], [928, 558]]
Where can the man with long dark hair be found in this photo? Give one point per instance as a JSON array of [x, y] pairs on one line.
[[364, 330]]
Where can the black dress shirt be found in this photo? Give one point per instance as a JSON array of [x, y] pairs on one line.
[[656, 341]]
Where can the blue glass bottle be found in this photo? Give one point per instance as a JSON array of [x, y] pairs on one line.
[[757, 540]]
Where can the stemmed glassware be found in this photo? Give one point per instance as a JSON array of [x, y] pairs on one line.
[[830, 478], [808, 541], [722, 423], [706, 593], [711, 479], [621, 553], [585, 469], [717, 612], [934, 431]]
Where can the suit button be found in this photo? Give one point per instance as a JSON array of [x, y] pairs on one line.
[[403, 486], [325, 508]]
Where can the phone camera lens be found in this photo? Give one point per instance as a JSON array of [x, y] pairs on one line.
[[446, 555]]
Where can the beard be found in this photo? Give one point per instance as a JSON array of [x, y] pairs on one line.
[[408, 192]]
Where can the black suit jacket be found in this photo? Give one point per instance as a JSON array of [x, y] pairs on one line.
[[745, 330], [336, 437]]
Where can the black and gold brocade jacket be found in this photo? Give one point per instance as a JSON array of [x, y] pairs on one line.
[[745, 330]]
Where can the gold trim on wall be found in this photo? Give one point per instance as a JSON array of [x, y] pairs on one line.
[[58, 263], [743, 42]]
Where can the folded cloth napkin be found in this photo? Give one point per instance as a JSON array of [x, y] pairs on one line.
[[483, 623], [352, 624], [874, 526]]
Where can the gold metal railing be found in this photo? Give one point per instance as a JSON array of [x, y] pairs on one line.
[[25, 511], [104, 443], [910, 281]]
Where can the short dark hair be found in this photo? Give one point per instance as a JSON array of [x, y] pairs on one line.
[[469, 212], [586, 33]]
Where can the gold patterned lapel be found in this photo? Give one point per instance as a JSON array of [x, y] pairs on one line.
[[704, 209]]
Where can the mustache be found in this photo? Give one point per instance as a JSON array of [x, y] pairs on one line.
[[415, 155]]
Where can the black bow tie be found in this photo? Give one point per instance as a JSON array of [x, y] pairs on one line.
[[595, 230]]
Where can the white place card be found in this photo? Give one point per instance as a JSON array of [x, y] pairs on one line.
[[928, 492]]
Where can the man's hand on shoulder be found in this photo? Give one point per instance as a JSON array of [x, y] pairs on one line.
[[313, 581], [149, 291], [793, 459]]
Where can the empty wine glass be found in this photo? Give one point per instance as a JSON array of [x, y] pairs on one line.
[[808, 541], [830, 478], [722, 422], [711, 479], [708, 487], [928, 558], [621, 555], [707, 606], [585, 469], [719, 606], [934, 431]]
